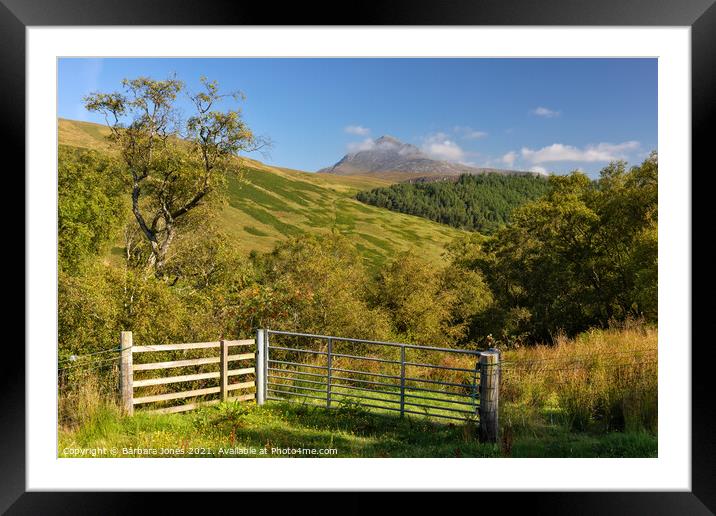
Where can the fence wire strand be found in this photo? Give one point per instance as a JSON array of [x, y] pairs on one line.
[[83, 387], [75, 358], [578, 358], [89, 365], [573, 367]]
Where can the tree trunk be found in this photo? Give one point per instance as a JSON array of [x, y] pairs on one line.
[[159, 252]]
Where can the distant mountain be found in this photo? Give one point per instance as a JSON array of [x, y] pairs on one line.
[[389, 155]]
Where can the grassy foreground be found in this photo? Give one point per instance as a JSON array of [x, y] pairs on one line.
[[281, 429], [594, 396]]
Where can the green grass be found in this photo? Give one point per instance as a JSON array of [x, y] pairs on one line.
[[280, 204], [381, 399], [559, 442], [247, 430], [540, 389], [276, 203], [253, 231], [353, 431]]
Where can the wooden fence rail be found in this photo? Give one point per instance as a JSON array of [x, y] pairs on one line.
[[224, 359]]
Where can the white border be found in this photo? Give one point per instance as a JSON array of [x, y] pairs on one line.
[[670, 471]]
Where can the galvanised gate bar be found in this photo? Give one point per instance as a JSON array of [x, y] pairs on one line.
[[332, 371]]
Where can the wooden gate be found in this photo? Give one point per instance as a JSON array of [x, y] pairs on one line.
[[206, 367]]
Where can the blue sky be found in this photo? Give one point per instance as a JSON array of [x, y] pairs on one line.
[[543, 114]]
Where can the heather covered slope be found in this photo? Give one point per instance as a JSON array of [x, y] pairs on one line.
[[270, 204]]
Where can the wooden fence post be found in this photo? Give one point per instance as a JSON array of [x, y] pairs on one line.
[[489, 395], [259, 367], [127, 375], [223, 370]]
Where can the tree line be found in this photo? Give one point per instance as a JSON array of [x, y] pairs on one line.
[[473, 202]]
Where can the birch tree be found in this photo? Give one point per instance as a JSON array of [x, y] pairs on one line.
[[174, 164]]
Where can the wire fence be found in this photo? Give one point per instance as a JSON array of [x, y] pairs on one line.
[[581, 357], [509, 367], [75, 358], [603, 362], [90, 381], [87, 381]]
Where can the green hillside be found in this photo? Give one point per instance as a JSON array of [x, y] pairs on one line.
[[270, 204]]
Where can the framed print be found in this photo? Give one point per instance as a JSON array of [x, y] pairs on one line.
[[417, 253]]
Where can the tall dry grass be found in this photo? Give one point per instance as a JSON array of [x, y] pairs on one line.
[[86, 394], [603, 379]]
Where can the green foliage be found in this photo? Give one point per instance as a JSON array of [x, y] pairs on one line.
[[200, 302], [473, 202], [315, 284], [410, 290], [174, 167], [265, 205], [471, 301], [89, 313], [95, 306], [581, 256], [428, 304], [90, 205]]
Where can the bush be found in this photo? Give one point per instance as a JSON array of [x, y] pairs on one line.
[[90, 205], [583, 255], [314, 285]]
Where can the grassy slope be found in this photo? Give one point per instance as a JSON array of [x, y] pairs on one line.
[[271, 203]]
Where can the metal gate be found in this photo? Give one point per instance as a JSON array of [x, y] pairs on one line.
[[383, 376]]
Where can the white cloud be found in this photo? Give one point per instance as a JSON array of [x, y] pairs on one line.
[[446, 150], [590, 153], [509, 158], [439, 146], [367, 144], [539, 170], [468, 133], [545, 112], [358, 130]]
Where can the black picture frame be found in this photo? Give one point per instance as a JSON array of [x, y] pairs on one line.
[[700, 15]]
